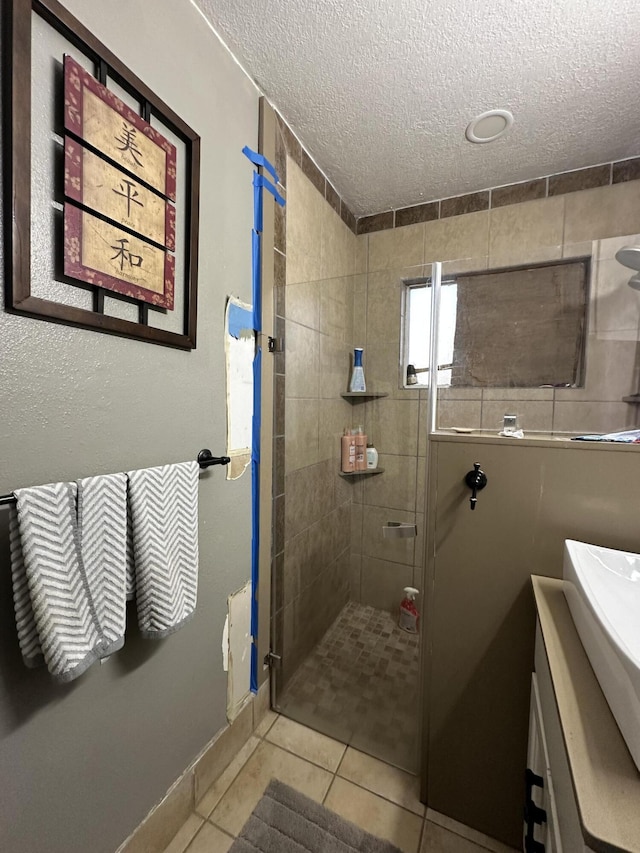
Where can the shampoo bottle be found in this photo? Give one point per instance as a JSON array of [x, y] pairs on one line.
[[361, 450], [409, 618], [348, 460]]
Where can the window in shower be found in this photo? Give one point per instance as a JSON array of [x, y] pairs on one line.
[[416, 328], [516, 327]]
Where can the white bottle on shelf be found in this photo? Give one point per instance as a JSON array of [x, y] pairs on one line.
[[372, 456], [357, 382]]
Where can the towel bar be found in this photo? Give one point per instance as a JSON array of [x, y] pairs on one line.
[[204, 459]]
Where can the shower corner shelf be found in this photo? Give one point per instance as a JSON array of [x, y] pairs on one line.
[[632, 398], [362, 395], [349, 474]]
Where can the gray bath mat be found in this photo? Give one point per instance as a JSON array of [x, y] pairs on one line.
[[285, 821]]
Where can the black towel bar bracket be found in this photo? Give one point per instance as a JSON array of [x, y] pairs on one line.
[[204, 459]]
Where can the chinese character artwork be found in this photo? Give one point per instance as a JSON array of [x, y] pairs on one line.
[[97, 116], [128, 139], [131, 194], [101, 253], [125, 255], [120, 180], [97, 184], [104, 194]]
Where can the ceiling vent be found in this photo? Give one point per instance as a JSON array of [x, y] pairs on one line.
[[489, 126]]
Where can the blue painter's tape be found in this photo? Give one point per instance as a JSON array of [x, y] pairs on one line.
[[259, 182], [257, 203], [257, 289], [257, 396], [255, 512], [263, 182], [255, 547], [239, 318], [260, 160], [253, 683]]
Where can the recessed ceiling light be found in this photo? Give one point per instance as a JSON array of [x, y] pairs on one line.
[[489, 126]]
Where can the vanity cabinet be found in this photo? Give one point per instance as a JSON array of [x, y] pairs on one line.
[[540, 817], [583, 787], [552, 824]]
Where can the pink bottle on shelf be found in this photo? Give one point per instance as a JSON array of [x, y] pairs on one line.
[[361, 450], [348, 458]]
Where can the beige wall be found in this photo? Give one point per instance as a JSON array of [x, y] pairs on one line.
[[317, 307], [546, 229], [480, 619]]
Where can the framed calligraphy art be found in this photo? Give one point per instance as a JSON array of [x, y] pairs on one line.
[[124, 207]]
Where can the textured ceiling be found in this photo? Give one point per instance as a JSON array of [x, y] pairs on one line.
[[380, 91]]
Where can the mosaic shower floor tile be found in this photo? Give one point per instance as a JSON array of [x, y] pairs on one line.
[[360, 685]]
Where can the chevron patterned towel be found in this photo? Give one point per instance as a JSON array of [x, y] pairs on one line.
[[63, 615], [164, 514], [25, 620], [102, 522], [69, 573]]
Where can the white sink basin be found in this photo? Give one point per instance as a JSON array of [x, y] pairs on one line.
[[602, 588]]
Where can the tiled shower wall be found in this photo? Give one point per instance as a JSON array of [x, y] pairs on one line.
[[380, 568], [585, 222], [316, 258], [551, 228]]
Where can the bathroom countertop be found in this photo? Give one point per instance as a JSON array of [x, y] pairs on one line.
[[605, 779], [531, 439]]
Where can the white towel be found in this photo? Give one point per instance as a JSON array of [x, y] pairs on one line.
[[164, 514], [69, 573]]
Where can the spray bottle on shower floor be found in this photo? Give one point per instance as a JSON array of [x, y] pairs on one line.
[[408, 617]]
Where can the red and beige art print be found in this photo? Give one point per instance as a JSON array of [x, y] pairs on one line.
[[120, 180]]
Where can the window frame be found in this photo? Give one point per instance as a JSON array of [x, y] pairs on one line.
[[410, 284]]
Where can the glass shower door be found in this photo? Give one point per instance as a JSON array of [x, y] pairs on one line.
[[346, 667]]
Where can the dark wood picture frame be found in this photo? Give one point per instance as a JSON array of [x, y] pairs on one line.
[[17, 170]]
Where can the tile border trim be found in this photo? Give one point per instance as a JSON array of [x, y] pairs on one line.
[[576, 180]]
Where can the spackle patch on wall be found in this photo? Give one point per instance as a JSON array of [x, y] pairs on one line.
[[239, 352], [236, 650], [225, 645]]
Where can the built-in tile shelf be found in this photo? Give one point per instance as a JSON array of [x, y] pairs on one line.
[[350, 474], [632, 398], [361, 395]]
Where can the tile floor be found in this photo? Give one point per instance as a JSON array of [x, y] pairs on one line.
[[360, 685], [380, 798]]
